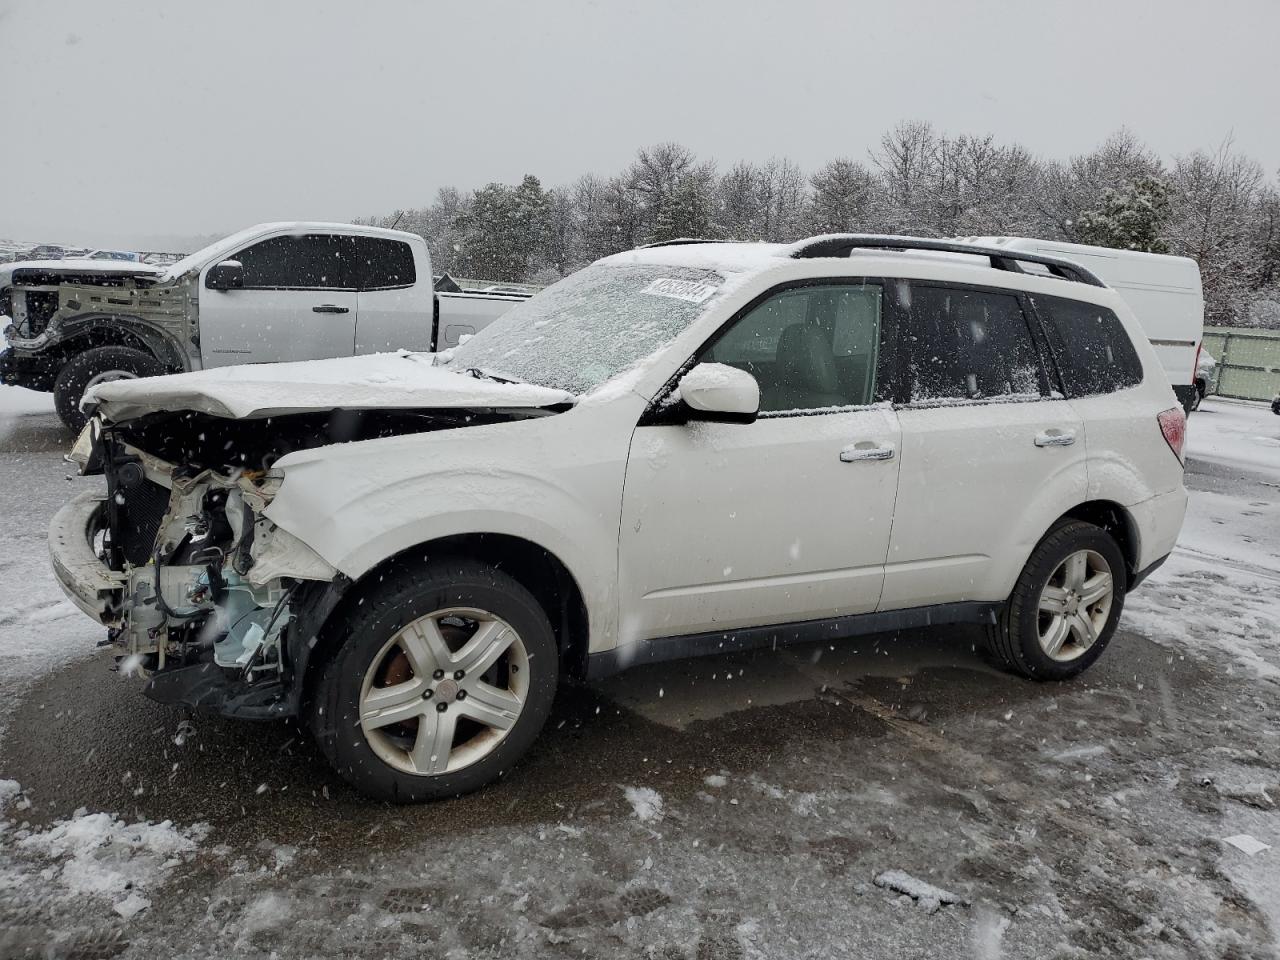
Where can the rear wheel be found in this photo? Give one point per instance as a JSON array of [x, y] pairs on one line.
[[1065, 605], [440, 682], [92, 367]]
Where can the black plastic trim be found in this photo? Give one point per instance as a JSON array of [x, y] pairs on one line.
[[206, 687], [682, 241], [1142, 574], [609, 662], [1186, 394], [841, 245]]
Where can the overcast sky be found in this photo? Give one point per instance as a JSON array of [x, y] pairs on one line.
[[128, 122]]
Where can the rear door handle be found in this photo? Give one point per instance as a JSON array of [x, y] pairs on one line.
[[866, 450], [330, 308], [1055, 438]]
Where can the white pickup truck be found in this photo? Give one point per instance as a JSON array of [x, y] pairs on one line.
[[274, 292]]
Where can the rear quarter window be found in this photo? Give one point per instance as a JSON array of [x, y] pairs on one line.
[[384, 264], [1092, 347]]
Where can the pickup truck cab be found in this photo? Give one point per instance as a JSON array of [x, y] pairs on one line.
[[686, 449], [274, 292]]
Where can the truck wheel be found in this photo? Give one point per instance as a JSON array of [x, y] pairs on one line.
[[1199, 397], [439, 681], [1064, 607], [95, 366]]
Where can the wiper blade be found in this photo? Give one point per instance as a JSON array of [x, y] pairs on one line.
[[486, 375]]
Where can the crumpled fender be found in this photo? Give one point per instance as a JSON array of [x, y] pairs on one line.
[[555, 481]]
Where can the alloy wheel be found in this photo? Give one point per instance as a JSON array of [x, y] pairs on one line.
[[444, 691], [1075, 604]]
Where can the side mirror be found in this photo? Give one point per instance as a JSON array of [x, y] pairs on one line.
[[227, 275], [720, 393]]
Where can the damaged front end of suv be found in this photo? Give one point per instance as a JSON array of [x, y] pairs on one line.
[[200, 592]]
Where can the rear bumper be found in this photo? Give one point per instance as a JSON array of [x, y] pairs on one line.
[[1136, 580], [86, 580], [1159, 521]]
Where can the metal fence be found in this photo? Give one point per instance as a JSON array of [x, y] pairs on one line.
[[1248, 361]]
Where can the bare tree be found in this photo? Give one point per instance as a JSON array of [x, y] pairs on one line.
[[1215, 198]]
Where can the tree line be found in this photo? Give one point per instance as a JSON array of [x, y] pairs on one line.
[[1216, 206]]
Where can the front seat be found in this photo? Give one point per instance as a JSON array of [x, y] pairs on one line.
[[806, 371]]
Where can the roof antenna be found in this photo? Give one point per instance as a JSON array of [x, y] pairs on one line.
[[399, 214]]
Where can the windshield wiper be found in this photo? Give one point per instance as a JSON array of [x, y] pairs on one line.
[[486, 375]]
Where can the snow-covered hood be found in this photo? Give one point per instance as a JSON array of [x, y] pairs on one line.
[[255, 391]]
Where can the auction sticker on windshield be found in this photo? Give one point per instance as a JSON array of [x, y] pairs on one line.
[[689, 290]]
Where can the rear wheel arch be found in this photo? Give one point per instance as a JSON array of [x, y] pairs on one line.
[[1047, 605], [1116, 521]]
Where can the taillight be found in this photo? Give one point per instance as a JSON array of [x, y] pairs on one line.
[[1173, 424]]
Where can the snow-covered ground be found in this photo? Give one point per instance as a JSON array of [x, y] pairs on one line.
[[39, 628], [887, 798], [1219, 593]]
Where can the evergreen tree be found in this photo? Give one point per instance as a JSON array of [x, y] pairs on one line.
[[1131, 218]]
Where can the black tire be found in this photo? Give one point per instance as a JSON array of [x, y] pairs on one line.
[[1199, 398], [75, 375], [1014, 640], [374, 615]]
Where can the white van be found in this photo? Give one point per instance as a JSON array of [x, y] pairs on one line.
[[1163, 291]]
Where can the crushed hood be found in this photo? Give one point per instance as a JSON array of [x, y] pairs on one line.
[[401, 381]]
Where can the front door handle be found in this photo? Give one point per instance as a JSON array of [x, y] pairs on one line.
[[866, 450], [330, 308], [1055, 438]]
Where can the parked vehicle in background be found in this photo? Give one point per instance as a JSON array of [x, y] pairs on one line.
[[123, 256], [685, 449], [1164, 293], [1206, 365], [274, 292], [47, 251]]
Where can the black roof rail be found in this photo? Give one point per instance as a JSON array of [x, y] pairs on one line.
[[679, 242], [842, 244]]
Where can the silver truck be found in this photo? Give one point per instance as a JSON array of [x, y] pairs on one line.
[[274, 292]]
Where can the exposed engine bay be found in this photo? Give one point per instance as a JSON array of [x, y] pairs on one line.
[[217, 605]]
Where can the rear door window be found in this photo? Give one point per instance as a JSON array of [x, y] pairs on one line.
[[384, 264], [966, 344], [304, 262], [1092, 348]]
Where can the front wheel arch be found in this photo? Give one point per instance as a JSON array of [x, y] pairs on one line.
[[387, 610], [534, 567]]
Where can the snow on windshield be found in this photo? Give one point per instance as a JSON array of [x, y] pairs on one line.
[[592, 325]]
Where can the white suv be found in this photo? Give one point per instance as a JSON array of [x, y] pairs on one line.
[[685, 449]]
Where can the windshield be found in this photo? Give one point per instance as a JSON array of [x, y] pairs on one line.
[[590, 326], [215, 250]]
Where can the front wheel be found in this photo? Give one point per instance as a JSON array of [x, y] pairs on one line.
[[1065, 606], [92, 367], [439, 681]]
